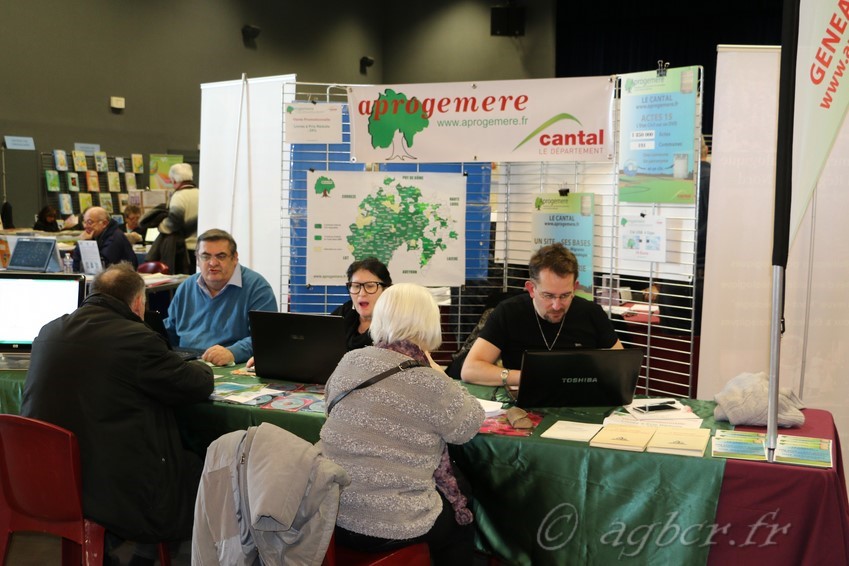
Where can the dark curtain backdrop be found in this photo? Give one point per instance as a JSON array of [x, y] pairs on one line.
[[604, 38]]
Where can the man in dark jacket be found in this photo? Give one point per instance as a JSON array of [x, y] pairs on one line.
[[111, 241], [106, 376]]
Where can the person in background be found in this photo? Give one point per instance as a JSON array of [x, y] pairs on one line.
[[182, 218], [550, 316], [391, 436], [209, 311], [132, 215], [103, 374], [47, 221], [114, 246], [367, 279], [701, 235]]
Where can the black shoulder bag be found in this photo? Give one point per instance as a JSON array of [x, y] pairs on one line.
[[400, 367]]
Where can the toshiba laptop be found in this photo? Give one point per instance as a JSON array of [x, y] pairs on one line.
[[579, 378], [298, 347]]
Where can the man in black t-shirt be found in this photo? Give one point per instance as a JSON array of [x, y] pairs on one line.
[[550, 316]]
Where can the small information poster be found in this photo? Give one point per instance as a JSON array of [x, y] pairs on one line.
[[657, 136], [90, 257], [567, 220], [643, 238], [306, 122], [19, 142]]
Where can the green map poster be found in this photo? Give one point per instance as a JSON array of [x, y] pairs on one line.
[[412, 222]]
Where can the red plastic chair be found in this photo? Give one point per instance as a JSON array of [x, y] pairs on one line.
[[41, 490], [153, 267], [412, 555]]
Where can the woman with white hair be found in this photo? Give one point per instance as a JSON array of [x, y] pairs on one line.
[[389, 418]]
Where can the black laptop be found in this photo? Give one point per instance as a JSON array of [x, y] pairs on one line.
[[579, 378], [298, 347]]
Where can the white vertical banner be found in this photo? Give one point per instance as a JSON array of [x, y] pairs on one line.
[[738, 275], [241, 169], [822, 96]]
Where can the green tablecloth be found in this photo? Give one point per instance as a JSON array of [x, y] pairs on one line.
[[11, 390], [545, 501], [537, 500], [204, 422]]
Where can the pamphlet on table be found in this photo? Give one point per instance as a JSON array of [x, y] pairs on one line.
[[623, 437], [739, 445], [803, 451], [680, 441], [571, 430]]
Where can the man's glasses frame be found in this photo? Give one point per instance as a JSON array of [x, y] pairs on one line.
[[206, 258], [550, 297]]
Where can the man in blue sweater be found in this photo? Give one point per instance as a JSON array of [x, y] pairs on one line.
[[209, 311]]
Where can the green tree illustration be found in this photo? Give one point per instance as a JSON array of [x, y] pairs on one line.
[[538, 203], [323, 186], [390, 125]]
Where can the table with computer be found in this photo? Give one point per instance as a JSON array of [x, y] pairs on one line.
[[569, 498], [35, 289]]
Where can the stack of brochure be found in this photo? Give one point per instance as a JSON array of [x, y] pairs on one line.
[[680, 441], [803, 451], [571, 430], [623, 437], [739, 445], [796, 450], [659, 412]]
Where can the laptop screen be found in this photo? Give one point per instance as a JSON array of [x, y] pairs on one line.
[[29, 301], [32, 254], [581, 377]]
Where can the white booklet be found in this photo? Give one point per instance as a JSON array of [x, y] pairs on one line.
[[571, 430], [628, 419], [623, 437], [680, 441]]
